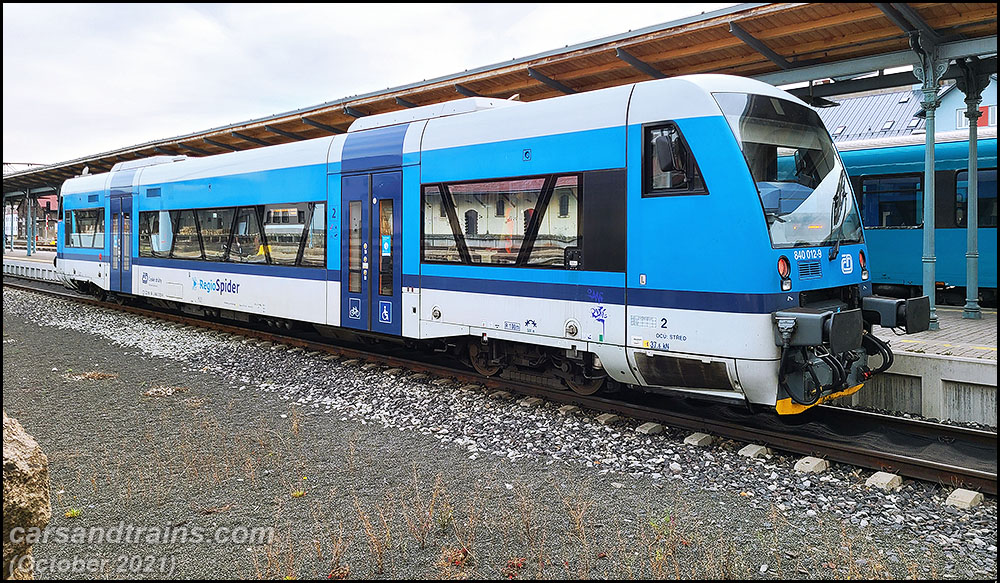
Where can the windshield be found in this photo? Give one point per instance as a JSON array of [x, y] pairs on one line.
[[802, 184]]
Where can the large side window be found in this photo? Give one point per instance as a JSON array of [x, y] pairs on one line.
[[527, 221], [284, 225], [155, 234], [215, 225], [669, 167], [439, 242], [248, 242], [314, 245], [558, 225], [491, 239], [187, 243], [892, 201], [987, 189], [85, 228]]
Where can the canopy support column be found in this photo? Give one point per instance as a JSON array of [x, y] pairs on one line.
[[972, 83], [929, 70]]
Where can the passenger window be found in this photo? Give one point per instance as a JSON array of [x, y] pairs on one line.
[[284, 229], [669, 165], [491, 239], [314, 247], [215, 227], [559, 226], [987, 190], [439, 244], [892, 201], [85, 228], [248, 245], [186, 241], [155, 234]]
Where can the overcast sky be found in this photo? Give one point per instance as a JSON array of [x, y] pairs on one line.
[[82, 79]]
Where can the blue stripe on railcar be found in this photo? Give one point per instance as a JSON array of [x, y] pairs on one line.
[[411, 221], [596, 149], [296, 184]]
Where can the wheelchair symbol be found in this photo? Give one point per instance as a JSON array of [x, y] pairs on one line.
[[385, 312]]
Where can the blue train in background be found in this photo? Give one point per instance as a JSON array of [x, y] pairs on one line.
[[888, 179], [695, 234]]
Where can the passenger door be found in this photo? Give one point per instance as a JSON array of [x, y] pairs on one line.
[[371, 258], [121, 243]]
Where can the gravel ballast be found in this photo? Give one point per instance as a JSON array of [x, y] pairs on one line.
[[377, 472]]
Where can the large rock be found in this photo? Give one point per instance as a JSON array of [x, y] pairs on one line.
[[25, 496]]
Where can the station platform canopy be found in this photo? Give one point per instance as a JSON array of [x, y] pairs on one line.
[[779, 43]]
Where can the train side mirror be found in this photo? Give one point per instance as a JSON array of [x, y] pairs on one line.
[[664, 153]]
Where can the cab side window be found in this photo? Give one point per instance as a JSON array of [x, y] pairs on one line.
[[669, 167]]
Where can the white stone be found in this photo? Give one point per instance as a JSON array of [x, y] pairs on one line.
[[885, 481], [698, 439], [530, 402], [965, 499], [607, 419], [675, 467], [754, 451], [568, 409], [812, 465], [650, 428]]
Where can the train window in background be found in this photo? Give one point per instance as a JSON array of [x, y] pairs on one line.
[[892, 201], [156, 234], [248, 244], [669, 167], [314, 243], [283, 229], [559, 225], [187, 243], [216, 225], [987, 190], [85, 228]]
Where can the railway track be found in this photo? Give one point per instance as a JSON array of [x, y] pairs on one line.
[[935, 452]]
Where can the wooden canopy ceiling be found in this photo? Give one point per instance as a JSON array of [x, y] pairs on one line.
[[748, 39]]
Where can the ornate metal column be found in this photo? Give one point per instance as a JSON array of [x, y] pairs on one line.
[[929, 70], [972, 83]]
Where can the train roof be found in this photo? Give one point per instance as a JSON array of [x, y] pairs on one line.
[[984, 133]]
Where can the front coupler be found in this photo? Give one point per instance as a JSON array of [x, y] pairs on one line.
[[822, 352]]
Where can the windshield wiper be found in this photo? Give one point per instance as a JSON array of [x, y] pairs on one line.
[[839, 205], [771, 217]]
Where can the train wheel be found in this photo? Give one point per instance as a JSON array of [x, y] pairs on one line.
[[587, 387], [480, 360]]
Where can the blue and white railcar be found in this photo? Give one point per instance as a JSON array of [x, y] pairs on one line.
[[696, 233]]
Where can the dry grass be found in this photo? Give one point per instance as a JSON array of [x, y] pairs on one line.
[[91, 376]]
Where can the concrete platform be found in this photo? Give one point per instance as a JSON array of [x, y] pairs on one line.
[[949, 373], [957, 337], [39, 265]]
